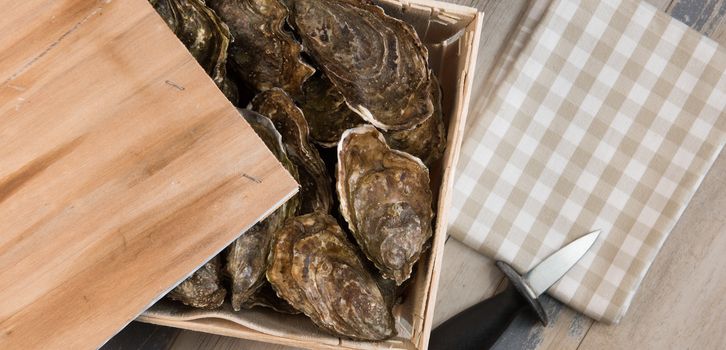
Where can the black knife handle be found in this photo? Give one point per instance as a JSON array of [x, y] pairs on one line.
[[479, 326]]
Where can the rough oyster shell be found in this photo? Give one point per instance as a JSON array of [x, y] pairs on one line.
[[202, 289], [426, 141], [315, 186], [386, 198], [265, 129], [262, 53], [326, 112], [376, 61], [247, 255], [204, 34], [316, 269], [266, 297], [247, 258]]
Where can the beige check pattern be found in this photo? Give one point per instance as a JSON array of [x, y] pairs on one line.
[[604, 115]]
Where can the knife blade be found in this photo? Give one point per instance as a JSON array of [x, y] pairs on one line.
[[479, 326]]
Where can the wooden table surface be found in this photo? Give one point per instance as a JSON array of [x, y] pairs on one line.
[[680, 304]]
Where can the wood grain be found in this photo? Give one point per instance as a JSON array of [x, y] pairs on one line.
[[705, 16], [193, 341], [114, 185], [680, 304], [468, 275]]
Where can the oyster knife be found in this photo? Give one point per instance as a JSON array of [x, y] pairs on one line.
[[479, 326]]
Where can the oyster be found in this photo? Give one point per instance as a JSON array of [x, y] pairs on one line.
[[315, 186], [317, 270], [376, 61], [386, 198], [202, 289], [265, 129], [427, 140], [247, 255], [204, 34], [266, 297], [326, 112], [247, 258], [262, 53]]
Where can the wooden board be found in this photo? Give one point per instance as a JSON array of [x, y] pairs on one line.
[[679, 305], [122, 169]]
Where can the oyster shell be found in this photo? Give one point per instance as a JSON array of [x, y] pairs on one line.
[[385, 197], [326, 112], [316, 269], [204, 34], [376, 61], [202, 289], [426, 141], [266, 297], [265, 129], [315, 186], [247, 258], [262, 53], [247, 255]]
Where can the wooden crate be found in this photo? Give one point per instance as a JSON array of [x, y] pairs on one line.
[[451, 33]]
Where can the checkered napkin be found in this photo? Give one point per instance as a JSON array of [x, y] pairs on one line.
[[605, 114]]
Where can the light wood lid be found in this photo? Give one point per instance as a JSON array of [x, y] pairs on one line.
[[122, 169]]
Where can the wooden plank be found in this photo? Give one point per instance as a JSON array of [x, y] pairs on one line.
[[197, 341], [705, 16], [120, 172], [565, 331], [467, 277]]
